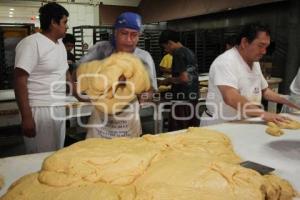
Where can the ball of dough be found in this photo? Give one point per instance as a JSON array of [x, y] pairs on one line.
[[100, 81]]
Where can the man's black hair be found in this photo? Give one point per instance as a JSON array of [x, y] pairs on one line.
[[69, 38], [51, 11], [168, 35], [251, 30], [231, 40]]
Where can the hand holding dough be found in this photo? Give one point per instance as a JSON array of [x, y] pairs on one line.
[[290, 124]]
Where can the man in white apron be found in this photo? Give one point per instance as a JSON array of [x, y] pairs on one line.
[[126, 35], [236, 84]]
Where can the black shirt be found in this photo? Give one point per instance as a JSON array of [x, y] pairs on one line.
[[185, 60], [71, 61]]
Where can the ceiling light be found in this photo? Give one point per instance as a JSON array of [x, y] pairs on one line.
[[37, 17], [11, 9], [10, 13]]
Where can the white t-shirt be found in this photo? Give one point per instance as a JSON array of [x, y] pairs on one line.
[[230, 69], [46, 63], [148, 63], [295, 86]]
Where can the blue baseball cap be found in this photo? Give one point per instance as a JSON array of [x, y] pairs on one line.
[[129, 20]]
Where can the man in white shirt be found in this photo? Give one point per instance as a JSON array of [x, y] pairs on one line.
[[40, 81], [236, 84]]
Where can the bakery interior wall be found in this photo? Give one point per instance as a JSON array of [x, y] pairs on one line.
[[217, 19]]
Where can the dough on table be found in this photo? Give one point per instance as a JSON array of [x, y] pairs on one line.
[[273, 129], [100, 81], [276, 129], [197, 164]]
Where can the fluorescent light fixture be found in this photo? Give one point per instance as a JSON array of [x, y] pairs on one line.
[[10, 15], [37, 17], [10, 12], [11, 9]]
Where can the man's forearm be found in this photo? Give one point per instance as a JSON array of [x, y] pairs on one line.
[[270, 95], [73, 89], [174, 80], [244, 107], [21, 93]]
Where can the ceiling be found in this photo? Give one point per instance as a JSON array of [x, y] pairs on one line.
[[134, 3], [25, 9]]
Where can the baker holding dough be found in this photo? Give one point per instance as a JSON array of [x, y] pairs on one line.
[[126, 35], [236, 84]]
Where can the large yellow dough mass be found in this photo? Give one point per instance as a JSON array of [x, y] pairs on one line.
[[100, 81], [198, 164]]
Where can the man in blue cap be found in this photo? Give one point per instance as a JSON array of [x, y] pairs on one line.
[[127, 29]]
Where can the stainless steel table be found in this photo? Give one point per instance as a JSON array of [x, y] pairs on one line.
[[249, 141]]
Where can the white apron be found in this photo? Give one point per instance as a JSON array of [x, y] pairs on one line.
[[250, 87], [124, 124], [50, 127]]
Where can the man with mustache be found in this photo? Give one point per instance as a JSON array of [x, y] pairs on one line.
[[236, 83]]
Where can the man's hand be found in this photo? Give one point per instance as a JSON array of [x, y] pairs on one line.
[[272, 117], [145, 97], [270, 95], [21, 92], [294, 106], [163, 82], [70, 62], [28, 127], [122, 79]]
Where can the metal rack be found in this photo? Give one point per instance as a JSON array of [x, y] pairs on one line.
[[10, 36], [151, 45], [147, 41], [99, 33], [2, 59], [206, 44]]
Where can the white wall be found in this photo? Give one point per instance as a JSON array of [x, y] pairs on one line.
[[79, 14], [83, 13]]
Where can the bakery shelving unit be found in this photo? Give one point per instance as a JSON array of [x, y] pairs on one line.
[[148, 40], [98, 33]]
